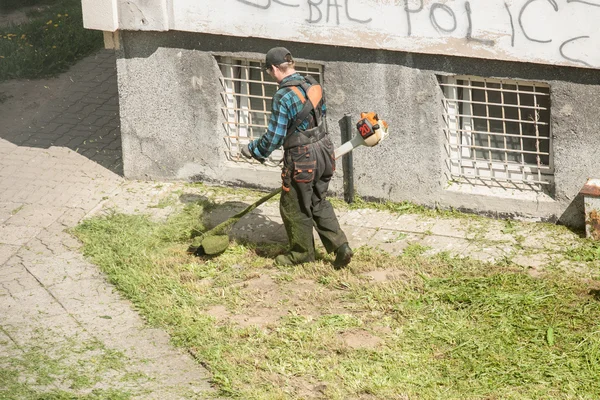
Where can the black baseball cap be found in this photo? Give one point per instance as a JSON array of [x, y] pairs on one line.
[[276, 56]]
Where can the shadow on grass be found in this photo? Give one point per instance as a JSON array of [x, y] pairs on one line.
[[595, 293], [252, 230]]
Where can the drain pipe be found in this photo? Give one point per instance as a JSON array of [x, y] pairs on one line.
[[346, 133]]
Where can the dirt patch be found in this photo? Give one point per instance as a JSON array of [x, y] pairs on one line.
[[263, 283], [262, 289], [302, 286], [301, 387], [534, 272], [360, 339], [267, 301], [261, 316], [219, 312], [385, 275]]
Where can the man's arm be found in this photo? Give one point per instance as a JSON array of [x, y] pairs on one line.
[[273, 138]]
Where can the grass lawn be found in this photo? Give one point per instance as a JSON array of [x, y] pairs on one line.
[[52, 40], [408, 327]]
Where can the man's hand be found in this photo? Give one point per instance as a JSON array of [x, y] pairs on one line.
[[247, 153]]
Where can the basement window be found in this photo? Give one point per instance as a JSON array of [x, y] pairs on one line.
[[498, 132], [246, 95]]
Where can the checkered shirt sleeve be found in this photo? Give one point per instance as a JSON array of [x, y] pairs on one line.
[[285, 107]]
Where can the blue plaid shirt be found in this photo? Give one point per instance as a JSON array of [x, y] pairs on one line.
[[286, 105]]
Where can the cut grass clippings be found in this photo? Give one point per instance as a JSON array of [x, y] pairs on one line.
[[426, 328], [52, 41], [66, 371]]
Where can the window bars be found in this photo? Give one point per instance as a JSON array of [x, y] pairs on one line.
[[498, 132], [247, 93]]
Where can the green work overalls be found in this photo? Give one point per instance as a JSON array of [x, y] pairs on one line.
[[308, 167]]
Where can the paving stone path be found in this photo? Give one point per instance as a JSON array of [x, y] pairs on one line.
[[60, 161]]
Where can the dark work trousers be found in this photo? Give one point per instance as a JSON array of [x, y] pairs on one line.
[[306, 173]]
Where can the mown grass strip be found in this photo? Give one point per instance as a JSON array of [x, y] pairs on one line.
[[52, 41], [442, 327]]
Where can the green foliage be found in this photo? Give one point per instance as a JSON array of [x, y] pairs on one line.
[[52, 41]]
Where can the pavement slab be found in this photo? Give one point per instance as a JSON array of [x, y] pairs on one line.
[[17, 235], [28, 304], [96, 305], [438, 244], [487, 252], [6, 252], [8, 209], [19, 281], [410, 223], [359, 236], [395, 241]]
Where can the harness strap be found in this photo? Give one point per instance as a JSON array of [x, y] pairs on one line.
[[314, 92], [298, 93]]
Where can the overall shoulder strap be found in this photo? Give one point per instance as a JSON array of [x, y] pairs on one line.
[[314, 93]]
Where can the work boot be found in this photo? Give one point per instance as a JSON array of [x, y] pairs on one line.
[[289, 259], [284, 260], [343, 255]]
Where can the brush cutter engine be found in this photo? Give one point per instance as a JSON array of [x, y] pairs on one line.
[[371, 131], [371, 128]]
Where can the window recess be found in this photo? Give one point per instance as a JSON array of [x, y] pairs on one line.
[[498, 132]]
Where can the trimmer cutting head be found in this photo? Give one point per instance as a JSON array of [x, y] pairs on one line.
[[210, 245]]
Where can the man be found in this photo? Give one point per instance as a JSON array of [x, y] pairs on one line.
[[297, 123]]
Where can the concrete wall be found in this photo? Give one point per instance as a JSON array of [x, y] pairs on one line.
[[549, 32], [172, 126]]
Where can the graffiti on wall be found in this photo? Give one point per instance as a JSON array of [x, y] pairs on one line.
[[546, 31]]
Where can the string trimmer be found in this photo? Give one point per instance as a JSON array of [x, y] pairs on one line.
[[371, 131]]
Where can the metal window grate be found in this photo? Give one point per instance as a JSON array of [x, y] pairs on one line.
[[247, 93], [498, 131]]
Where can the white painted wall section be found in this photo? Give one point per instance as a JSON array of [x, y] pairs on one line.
[[559, 32], [144, 15], [100, 14], [135, 15]]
